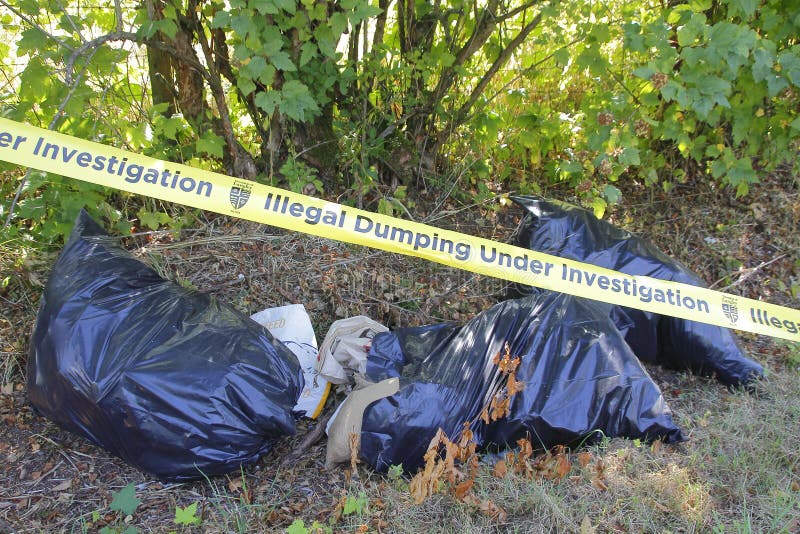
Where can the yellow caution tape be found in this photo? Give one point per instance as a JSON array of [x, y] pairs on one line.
[[65, 155]]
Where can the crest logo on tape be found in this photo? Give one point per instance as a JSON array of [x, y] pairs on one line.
[[730, 308], [240, 194]]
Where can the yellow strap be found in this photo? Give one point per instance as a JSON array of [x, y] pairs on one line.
[[65, 155]]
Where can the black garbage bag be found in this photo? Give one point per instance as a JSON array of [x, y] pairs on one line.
[[581, 380], [574, 233], [571, 232], [166, 378]]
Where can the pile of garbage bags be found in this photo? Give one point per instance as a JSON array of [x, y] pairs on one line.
[[182, 386]]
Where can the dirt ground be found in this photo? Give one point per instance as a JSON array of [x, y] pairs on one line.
[[51, 480]]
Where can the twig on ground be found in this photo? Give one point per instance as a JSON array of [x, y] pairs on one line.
[[744, 274], [238, 280], [308, 440]]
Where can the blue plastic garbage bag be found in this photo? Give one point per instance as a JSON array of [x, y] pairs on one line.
[[571, 232], [164, 377], [581, 381]]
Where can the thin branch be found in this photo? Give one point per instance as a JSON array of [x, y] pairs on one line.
[[93, 45], [501, 60], [118, 14], [243, 163], [72, 23], [516, 11]]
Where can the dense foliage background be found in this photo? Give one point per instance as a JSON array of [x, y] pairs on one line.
[[363, 99]]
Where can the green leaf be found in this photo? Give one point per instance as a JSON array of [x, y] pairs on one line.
[[699, 6], [125, 500], [265, 7], [629, 156], [297, 527], [688, 33], [612, 193], [167, 27], [33, 40], [297, 102], [355, 504], [153, 219], [308, 51], [634, 40], [211, 144], [286, 5], [222, 19], [561, 56], [246, 86], [283, 62], [645, 72], [745, 7], [790, 66], [268, 101], [599, 207], [187, 516]]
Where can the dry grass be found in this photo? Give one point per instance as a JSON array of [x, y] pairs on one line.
[[739, 471]]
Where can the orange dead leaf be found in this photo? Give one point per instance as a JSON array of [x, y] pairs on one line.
[[563, 466], [499, 406], [600, 468], [466, 435], [500, 469], [451, 453], [463, 489], [485, 415], [584, 458], [525, 449], [514, 386], [355, 445], [599, 484]]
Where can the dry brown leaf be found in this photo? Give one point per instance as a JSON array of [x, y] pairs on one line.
[[235, 484], [600, 468], [499, 407], [355, 446], [463, 489], [563, 466], [451, 453], [655, 448], [494, 511], [525, 449], [500, 469], [64, 485], [485, 415], [599, 484], [514, 386], [499, 356]]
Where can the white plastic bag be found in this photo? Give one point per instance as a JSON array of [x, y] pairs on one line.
[[292, 326]]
